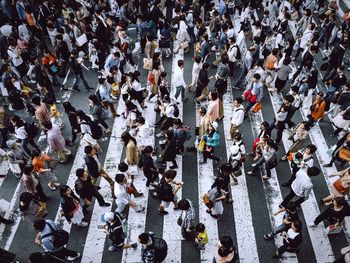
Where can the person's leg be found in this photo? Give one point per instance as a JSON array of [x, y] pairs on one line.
[[258, 164], [178, 91], [99, 198], [5, 221], [40, 192], [322, 216], [107, 178], [82, 76], [24, 146], [104, 124], [76, 82], [282, 227], [33, 143], [287, 198], [282, 249]]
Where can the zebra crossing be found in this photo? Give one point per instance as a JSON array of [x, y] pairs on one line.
[[244, 224]]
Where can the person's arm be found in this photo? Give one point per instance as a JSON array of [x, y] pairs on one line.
[[279, 211]]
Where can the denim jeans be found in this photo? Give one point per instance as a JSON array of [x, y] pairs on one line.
[[78, 78], [178, 91], [282, 227]]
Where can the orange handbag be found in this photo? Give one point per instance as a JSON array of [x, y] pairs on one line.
[[207, 201], [344, 154], [257, 106]]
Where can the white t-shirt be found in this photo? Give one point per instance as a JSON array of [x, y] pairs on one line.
[[16, 61]]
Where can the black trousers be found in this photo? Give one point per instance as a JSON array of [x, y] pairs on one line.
[[290, 196]]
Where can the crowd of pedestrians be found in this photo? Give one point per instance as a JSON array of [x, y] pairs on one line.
[[43, 43]]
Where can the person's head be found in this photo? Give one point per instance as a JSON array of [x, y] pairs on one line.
[[200, 228], [120, 178], [319, 95], [197, 59], [108, 217], [94, 99], [202, 111], [101, 80], [28, 169], [287, 60], [184, 204], [89, 150], [226, 241], [256, 77], [180, 63], [310, 149], [16, 121], [82, 174], [312, 26], [123, 167], [170, 175], [237, 136], [265, 125], [296, 226], [24, 201], [340, 69], [305, 125], [126, 137], [65, 191], [313, 171], [36, 100], [39, 224], [36, 152], [47, 125], [213, 95], [169, 134], [298, 156], [339, 201], [177, 122], [82, 116], [232, 40], [275, 51], [144, 238], [294, 90], [205, 66], [224, 58], [313, 49], [288, 99], [148, 150], [67, 106]]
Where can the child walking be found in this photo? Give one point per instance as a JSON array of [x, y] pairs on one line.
[[202, 236]]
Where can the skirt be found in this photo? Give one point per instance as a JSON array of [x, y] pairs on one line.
[[78, 216]]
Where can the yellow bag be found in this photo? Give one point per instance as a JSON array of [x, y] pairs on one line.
[[344, 154], [201, 145]]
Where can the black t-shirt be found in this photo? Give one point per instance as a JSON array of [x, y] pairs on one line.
[[166, 191], [291, 217]]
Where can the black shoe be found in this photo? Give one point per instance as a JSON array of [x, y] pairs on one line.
[[162, 212], [286, 184], [268, 236], [105, 205], [7, 221], [173, 167]]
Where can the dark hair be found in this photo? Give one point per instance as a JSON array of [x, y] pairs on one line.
[[83, 116], [16, 119], [123, 167], [298, 225], [126, 137], [39, 224], [36, 100], [226, 241], [257, 76], [184, 204], [200, 227], [312, 148], [79, 172], [214, 95], [47, 125], [88, 149], [63, 190], [68, 107], [205, 66], [313, 171], [28, 169], [340, 200], [291, 206], [36, 152], [94, 99], [239, 100], [170, 174], [119, 178], [148, 149], [299, 155], [141, 120], [224, 58], [180, 62], [144, 238]]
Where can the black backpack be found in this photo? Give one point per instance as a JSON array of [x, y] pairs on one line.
[[120, 230], [176, 110], [238, 55], [96, 130], [160, 249], [31, 130], [60, 237]]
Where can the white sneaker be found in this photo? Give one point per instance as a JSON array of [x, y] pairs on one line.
[[253, 164], [73, 258], [228, 138], [161, 134], [83, 224]]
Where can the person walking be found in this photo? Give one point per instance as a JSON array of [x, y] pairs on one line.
[[46, 239], [56, 141], [98, 112], [71, 208], [187, 219], [76, 65]]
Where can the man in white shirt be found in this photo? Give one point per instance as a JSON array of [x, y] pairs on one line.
[[302, 185], [232, 54], [123, 198], [179, 81], [237, 116], [15, 54]]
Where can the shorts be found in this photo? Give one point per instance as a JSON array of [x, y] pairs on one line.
[[166, 204]]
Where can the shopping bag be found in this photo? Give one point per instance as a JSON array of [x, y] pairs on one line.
[[147, 63], [201, 145], [257, 106], [344, 154], [4, 205], [208, 203], [332, 229], [132, 169], [81, 40]]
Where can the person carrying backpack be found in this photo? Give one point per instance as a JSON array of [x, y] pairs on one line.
[[182, 134], [52, 239], [153, 250], [115, 228]]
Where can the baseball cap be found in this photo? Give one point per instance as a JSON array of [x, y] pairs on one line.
[[107, 217]]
